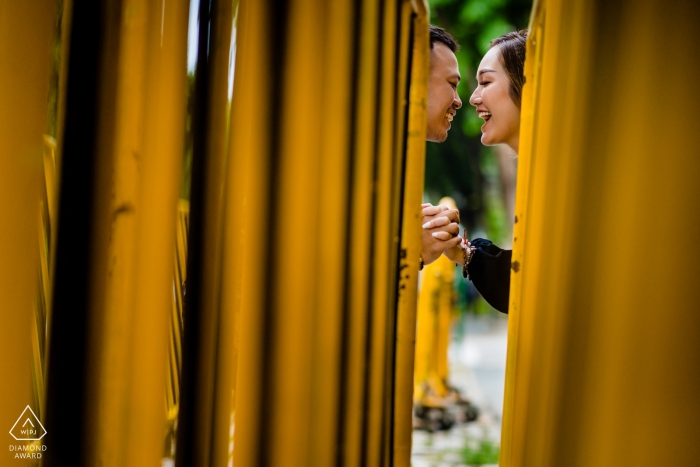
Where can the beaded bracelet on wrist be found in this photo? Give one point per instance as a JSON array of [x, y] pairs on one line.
[[467, 255]]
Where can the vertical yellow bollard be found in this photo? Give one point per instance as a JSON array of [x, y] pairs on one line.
[[25, 40], [130, 352], [248, 170], [410, 241], [604, 333], [517, 360]]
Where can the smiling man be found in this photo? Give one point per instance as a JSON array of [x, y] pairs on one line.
[[443, 100]]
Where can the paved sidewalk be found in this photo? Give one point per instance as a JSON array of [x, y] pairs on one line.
[[477, 369]]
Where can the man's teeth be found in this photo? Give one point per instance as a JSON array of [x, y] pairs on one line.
[[485, 115], [449, 116]]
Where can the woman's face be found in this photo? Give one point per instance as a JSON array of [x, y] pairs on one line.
[[494, 104]]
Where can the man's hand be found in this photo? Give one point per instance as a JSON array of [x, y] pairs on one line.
[[440, 231]]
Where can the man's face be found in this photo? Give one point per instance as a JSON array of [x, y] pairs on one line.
[[443, 100]]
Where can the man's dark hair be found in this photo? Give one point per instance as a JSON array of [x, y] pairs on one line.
[[440, 35]]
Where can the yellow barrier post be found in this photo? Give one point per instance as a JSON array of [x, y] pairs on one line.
[[250, 146], [149, 120], [602, 333], [25, 32], [410, 240], [384, 249], [117, 228]]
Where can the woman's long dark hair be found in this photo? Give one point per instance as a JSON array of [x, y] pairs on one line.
[[512, 47]]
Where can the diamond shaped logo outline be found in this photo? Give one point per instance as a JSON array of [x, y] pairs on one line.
[[21, 417]]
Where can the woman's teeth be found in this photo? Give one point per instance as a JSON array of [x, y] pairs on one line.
[[485, 115]]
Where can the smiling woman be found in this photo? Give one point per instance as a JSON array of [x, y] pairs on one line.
[[497, 97]]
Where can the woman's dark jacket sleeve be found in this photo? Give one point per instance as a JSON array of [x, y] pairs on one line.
[[489, 270]]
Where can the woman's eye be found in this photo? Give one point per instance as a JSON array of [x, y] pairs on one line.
[[484, 83]]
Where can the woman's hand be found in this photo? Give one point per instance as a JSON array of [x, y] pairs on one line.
[[440, 231]]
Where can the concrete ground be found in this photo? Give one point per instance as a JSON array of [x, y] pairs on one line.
[[477, 359]]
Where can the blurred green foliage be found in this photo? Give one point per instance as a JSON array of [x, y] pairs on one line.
[[485, 452]]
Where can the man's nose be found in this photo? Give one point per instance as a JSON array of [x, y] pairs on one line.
[[457, 101]]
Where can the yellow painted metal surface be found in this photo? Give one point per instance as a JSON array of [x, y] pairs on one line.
[[603, 331], [517, 359], [250, 144], [321, 322], [138, 164], [353, 412], [436, 302], [384, 254], [25, 31], [410, 240], [303, 226]]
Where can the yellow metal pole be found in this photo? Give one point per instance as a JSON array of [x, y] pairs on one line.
[[403, 83], [360, 242], [599, 341], [249, 169], [517, 358], [426, 392], [140, 150], [231, 280], [410, 239], [384, 252], [445, 318], [292, 306], [331, 266], [25, 39]]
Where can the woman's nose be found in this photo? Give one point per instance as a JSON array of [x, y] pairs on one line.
[[475, 98]]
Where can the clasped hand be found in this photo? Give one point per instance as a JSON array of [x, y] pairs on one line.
[[440, 233]]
